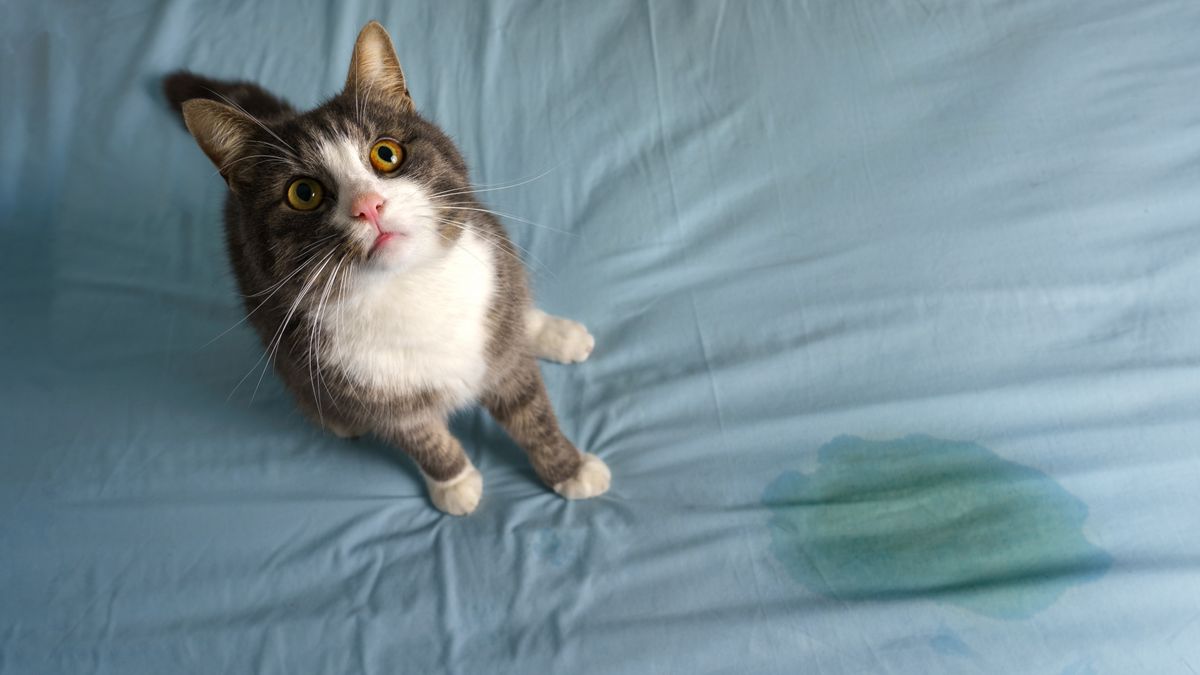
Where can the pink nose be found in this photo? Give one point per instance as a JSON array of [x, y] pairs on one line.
[[367, 206]]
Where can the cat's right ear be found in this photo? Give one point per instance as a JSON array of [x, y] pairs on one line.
[[375, 69], [220, 130]]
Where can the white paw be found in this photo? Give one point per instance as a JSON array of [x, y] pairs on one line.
[[557, 339], [459, 495], [591, 480]]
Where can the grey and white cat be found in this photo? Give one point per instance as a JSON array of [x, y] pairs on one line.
[[386, 294]]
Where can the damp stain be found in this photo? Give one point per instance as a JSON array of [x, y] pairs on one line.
[[556, 548], [947, 643], [923, 517]]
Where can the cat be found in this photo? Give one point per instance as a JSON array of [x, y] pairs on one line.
[[386, 295]]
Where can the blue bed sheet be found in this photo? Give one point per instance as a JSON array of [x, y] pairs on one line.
[[897, 308]]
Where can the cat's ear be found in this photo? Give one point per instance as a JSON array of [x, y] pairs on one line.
[[374, 68], [221, 131]]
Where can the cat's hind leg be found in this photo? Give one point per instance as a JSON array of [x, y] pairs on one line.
[[555, 338]]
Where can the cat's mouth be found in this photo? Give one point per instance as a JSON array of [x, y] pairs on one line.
[[383, 239]]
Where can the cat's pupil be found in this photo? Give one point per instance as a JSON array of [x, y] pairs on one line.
[[304, 192], [385, 153]]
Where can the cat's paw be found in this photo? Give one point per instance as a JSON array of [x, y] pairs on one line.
[[557, 339], [591, 480], [458, 496]]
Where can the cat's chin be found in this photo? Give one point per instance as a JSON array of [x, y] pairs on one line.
[[395, 257], [393, 252]]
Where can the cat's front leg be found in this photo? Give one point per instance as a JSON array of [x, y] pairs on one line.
[[455, 485], [520, 404], [555, 338]]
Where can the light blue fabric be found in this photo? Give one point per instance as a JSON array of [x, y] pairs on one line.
[[800, 232]]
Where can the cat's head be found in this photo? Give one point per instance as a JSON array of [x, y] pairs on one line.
[[361, 180]]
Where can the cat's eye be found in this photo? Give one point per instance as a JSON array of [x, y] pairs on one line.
[[386, 155], [305, 194]]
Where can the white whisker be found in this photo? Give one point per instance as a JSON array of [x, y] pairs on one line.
[[495, 186], [274, 289], [495, 243], [500, 214], [340, 320], [254, 119], [269, 158], [460, 247], [509, 240], [278, 340], [314, 344], [271, 145]]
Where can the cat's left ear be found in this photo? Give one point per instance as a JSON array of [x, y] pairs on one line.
[[374, 68], [222, 133]]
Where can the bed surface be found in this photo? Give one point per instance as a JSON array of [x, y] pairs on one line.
[[897, 365]]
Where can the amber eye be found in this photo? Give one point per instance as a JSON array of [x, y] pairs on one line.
[[305, 194], [386, 155]]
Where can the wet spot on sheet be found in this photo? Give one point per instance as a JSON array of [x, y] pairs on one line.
[[947, 643], [555, 547], [924, 517]]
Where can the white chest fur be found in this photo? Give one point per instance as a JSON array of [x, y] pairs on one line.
[[424, 329]]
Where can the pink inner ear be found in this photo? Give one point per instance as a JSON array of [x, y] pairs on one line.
[[367, 206]]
